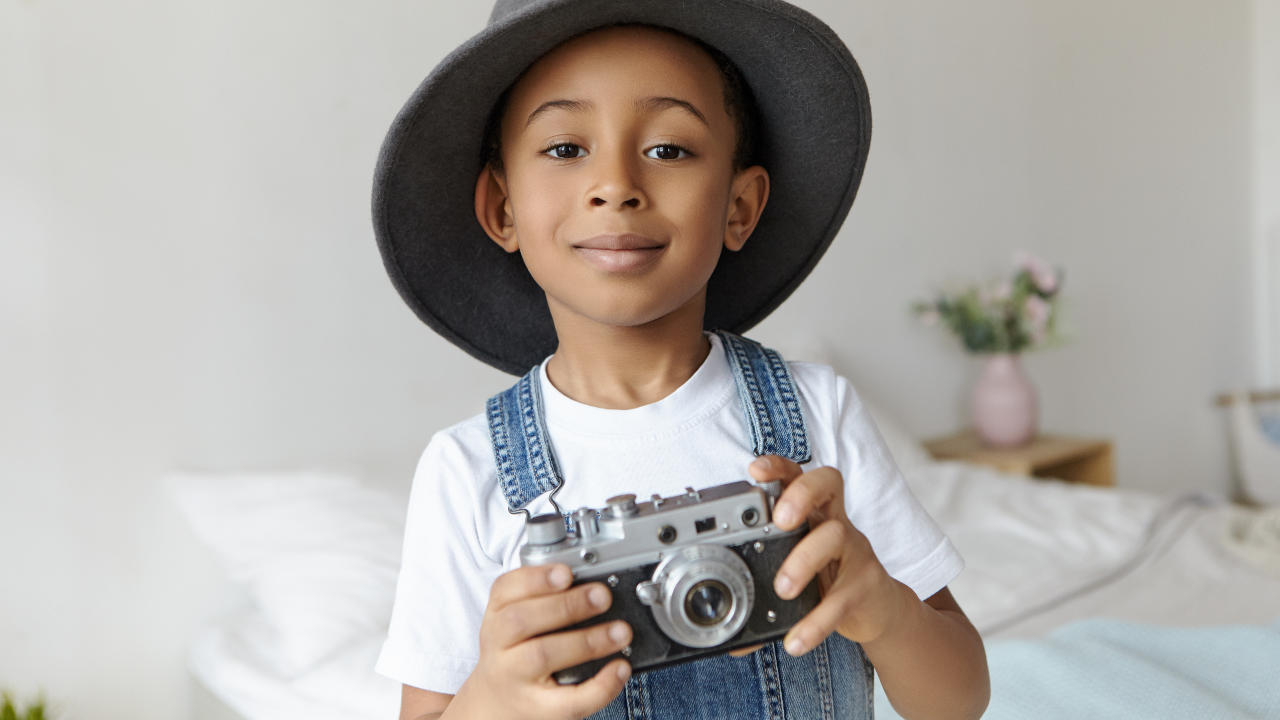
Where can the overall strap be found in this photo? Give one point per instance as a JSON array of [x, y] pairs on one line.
[[521, 445], [769, 399], [527, 466]]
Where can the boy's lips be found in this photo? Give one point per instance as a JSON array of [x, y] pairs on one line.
[[624, 252], [618, 241]]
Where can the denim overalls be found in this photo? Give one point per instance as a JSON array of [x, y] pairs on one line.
[[834, 680]]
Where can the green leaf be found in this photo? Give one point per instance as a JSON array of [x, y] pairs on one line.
[[10, 711]]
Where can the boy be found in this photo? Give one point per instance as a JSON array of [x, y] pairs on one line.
[[618, 178]]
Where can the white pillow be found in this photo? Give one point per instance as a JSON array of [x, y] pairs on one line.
[[226, 658], [318, 554]]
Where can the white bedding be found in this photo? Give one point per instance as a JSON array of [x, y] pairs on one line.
[[1042, 553], [1100, 668], [1027, 544]]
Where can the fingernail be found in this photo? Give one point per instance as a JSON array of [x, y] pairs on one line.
[[618, 633], [761, 463], [793, 646], [560, 576], [783, 514], [782, 584], [624, 671], [598, 597]]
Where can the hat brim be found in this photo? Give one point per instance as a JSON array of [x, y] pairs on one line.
[[814, 134]]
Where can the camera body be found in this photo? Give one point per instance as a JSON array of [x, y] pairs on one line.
[[692, 574]]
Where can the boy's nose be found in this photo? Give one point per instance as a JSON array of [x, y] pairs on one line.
[[615, 185], [603, 199]]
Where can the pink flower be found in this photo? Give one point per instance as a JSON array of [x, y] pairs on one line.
[[1036, 311], [1042, 274]]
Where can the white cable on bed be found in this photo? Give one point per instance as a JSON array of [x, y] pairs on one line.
[[1148, 549]]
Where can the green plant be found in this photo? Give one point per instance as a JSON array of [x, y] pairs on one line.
[[1003, 316], [10, 711]]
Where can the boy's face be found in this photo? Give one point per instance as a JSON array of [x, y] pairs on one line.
[[618, 187]]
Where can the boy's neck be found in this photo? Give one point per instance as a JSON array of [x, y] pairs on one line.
[[620, 368]]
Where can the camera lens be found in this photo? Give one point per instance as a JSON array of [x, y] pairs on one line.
[[708, 602], [667, 535], [703, 595]]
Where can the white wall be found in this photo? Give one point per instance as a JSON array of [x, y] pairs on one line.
[[1111, 137], [189, 278], [1266, 194]]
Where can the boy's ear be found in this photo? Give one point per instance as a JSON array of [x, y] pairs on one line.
[[493, 208], [747, 197]]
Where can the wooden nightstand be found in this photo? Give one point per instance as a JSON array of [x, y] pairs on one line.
[[1074, 459]]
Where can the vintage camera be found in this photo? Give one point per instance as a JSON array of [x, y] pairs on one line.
[[692, 574]]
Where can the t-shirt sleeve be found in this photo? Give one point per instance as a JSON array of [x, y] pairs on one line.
[[445, 574], [879, 503]]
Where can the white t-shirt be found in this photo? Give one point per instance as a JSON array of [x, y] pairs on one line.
[[459, 535]]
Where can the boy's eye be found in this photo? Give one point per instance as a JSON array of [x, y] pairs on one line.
[[564, 151], [666, 152]]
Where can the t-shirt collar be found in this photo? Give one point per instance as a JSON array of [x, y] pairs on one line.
[[703, 393]]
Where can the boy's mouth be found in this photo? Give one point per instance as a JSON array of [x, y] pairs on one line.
[[624, 252], [618, 241]]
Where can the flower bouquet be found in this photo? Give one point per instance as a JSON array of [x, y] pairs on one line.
[[1004, 316], [999, 320]]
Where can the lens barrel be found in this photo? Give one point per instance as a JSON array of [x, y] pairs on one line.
[[705, 597]]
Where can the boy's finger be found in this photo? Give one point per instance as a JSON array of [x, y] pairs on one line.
[[807, 493], [589, 697], [544, 655], [816, 626], [534, 616], [773, 467], [527, 582], [823, 545]]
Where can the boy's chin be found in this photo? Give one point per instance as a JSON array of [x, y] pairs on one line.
[[631, 313], [624, 322]]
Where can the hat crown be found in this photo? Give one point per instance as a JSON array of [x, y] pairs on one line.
[[503, 9]]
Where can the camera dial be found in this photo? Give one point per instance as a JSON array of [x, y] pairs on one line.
[[545, 530]]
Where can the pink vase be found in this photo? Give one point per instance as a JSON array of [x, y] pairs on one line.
[[1005, 413]]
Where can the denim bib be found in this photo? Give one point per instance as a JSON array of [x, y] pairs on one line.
[[834, 680]]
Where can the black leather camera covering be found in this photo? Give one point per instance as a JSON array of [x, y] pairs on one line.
[[650, 646]]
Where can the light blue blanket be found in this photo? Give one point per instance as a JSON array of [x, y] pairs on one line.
[[1112, 669]]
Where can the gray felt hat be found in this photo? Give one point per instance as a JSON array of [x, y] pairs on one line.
[[814, 129]]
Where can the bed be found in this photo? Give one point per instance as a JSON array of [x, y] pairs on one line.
[[1093, 602]]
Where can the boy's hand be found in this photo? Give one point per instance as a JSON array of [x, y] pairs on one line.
[[513, 676], [860, 600]]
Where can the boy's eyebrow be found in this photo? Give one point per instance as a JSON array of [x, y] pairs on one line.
[[644, 104], [662, 103], [574, 105]]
